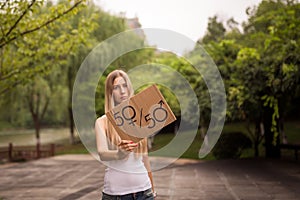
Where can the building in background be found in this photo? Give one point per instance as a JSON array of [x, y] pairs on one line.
[[133, 23]]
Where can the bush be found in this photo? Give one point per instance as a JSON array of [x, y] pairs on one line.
[[231, 145]]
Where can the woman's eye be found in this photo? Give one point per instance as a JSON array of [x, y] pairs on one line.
[[115, 87]]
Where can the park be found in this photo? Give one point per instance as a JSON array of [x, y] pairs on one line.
[[235, 97]]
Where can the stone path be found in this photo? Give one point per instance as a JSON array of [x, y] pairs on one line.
[[80, 177]]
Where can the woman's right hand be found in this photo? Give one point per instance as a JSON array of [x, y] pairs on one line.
[[127, 145]]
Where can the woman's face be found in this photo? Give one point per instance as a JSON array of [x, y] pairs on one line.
[[120, 91]]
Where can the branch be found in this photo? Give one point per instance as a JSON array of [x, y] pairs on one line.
[[20, 18], [14, 72], [42, 25], [1, 61], [20, 80], [29, 99], [10, 74], [38, 103], [3, 91], [45, 108], [3, 4]]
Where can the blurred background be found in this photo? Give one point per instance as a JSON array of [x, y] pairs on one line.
[[255, 46]]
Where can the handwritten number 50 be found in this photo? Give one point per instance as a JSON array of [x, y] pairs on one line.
[[129, 116]]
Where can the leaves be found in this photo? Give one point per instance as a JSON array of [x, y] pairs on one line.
[[64, 34], [27, 42], [25, 24]]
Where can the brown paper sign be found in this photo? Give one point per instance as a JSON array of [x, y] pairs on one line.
[[142, 115]]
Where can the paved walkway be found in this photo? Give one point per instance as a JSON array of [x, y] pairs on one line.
[[80, 177]]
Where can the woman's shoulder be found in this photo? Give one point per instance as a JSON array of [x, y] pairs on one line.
[[103, 117], [101, 120]]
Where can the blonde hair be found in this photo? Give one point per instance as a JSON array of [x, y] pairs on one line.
[[111, 133]]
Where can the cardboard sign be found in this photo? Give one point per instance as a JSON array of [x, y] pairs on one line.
[[141, 115]]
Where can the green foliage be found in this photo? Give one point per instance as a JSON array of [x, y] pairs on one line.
[[277, 25], [77, 148], [19, 17], [231, 145], [215, 30], [52, 43], [28, 31], [259, 66], [18, 115]]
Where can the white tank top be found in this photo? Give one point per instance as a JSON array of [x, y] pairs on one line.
[[126, 176]]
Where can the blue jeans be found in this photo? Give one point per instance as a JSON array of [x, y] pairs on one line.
[[143, 195]]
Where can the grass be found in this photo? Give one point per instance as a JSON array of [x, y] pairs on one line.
[[71, 149], [292, 130], [66, 148], [192, 152]]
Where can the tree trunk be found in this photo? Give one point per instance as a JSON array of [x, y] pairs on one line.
[[256, 151], [71, 119], [256, 141], [281, 131], [259, 134], [272, 141], [70, 82], [37, 135]]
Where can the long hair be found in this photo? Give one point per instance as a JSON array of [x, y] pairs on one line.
[[111, 133]]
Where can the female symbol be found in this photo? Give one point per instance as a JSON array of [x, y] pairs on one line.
[[132, 116]]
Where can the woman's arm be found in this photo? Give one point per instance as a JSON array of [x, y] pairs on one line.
[[105, 154]]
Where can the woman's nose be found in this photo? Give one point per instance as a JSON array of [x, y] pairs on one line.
[[122, 90]]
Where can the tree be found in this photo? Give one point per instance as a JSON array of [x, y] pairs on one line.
[[19, 21], [92, 26], [275, 27], [38, 97], [215, 30], [244, 93], [260, 68], [83, 25]]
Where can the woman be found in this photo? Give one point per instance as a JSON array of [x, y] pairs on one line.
[[128, 175]]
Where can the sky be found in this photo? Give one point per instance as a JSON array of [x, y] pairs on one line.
[[187, 17]]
